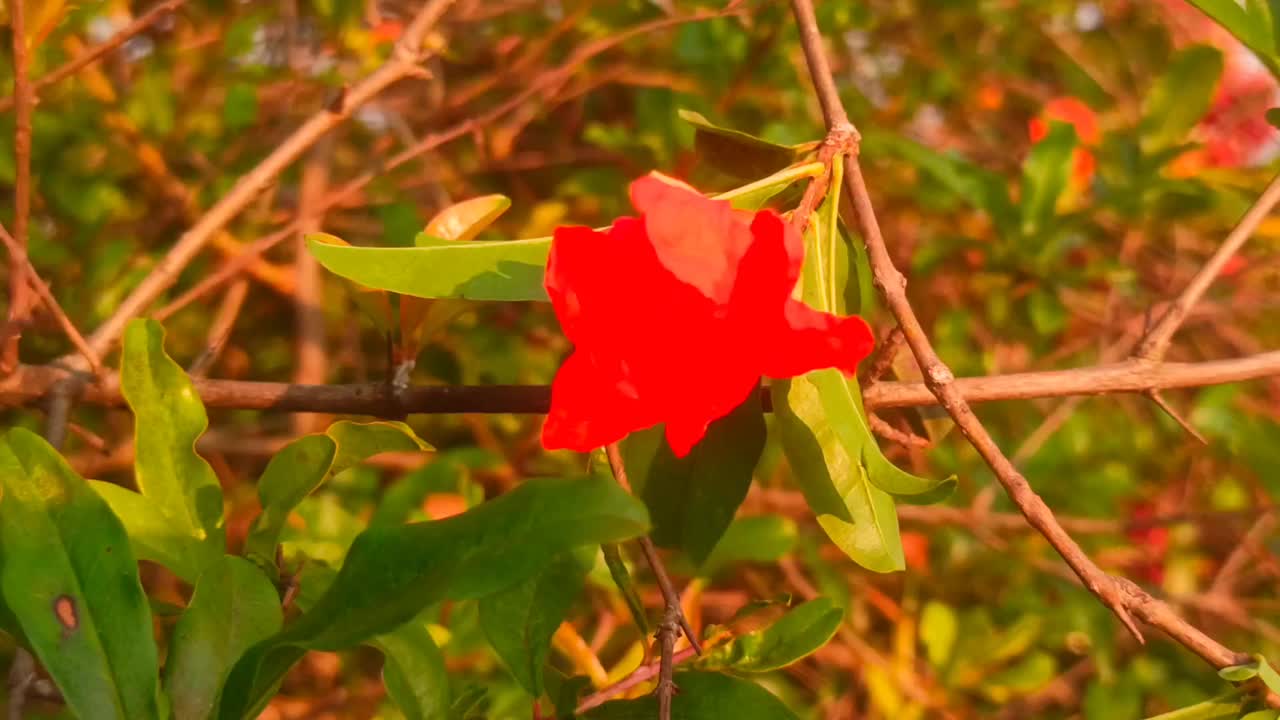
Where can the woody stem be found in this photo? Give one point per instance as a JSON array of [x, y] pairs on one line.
[[673, 620]]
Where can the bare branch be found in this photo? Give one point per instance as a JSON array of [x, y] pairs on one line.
[[1156, 343], [1124, 598]]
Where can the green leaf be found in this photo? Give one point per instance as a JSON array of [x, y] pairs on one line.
[[1261, 715], [1223, 707], [838, 464], [1239, 673], [392, 573], [70, 579], [757, 538], [1044, 177], [794, 636], [1180, 97], [168, 419], [754, 195], [1268, 675], [234, 607], [701, 696], [939, 629], [520, 620], [307, 463], [692, 500], [509, 270], [151, 534], [436, 268], [413, 671], [738, 153], [622, 579], [1257, 36]]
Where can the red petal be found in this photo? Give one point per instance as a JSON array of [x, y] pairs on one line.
[[812, 340], [697, 239], [589, 408]]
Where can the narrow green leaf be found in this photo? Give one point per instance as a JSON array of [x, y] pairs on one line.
[[622, 579], [701, 696], [738, 153], [152, 535], [1044, 177], [70, 579], [413, 671], [168, 419], [1268, 675], [306, 464], [392, 573], [1180, 97], [520, 620], [234, 607], [693, 499], [837, 462], [1223, 707], [510, 270], [1239, 673], [794, 636], [1257, 36]]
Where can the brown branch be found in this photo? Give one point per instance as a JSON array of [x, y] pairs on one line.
[[1156, 342], [403, 63], [89, 55], [20, 298], [223, 323], [1124, 598], [673, 619], [641, 674], [30, 383], [18, 256], [312, 362]]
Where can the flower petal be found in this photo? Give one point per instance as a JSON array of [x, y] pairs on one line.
[[812, 340], [589, 408], [697, 239]]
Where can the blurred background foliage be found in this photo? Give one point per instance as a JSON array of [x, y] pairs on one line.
[[1023, 256]]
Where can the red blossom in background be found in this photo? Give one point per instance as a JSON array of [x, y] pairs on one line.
[[676, 315], [1084, 120]]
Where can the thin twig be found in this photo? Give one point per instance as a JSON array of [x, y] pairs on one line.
[[673, 619], [18, 256], [1124, 598], [1156, 342], [220, 331], [642, 674], [889, 432], [882, 357], [1168, 409], [75, 64], [312, 362], [20, 297], [402, 64], [30, 383]]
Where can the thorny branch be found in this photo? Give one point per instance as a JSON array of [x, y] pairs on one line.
[[20, 295], [1123, 597]]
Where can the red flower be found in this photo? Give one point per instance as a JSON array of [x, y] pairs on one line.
[[677, 314], [1082, 118]]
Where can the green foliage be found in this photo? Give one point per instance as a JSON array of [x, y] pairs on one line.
[[692, 499], [740, 154], [702, 696], [1179, 98], [848, 482], [414, 672], [168, 419], [233, 608], [392, 573], [520, 620], [798, 633], [69, 579], [305, 464]]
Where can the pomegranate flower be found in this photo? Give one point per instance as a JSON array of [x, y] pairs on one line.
[[676, 314]]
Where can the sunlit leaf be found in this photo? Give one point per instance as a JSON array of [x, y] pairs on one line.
[[792, 637], [1180, 97]]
